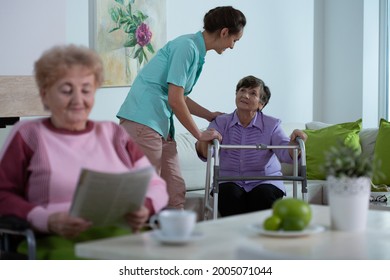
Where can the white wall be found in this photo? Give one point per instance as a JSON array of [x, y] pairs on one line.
[[370, 100], [310, 52], [27, 28], [346, 61], [269, 49], [342, 60]]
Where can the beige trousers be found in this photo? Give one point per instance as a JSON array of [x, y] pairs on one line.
[[163, 156]]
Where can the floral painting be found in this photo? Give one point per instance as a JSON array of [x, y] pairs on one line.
[[126, 34]]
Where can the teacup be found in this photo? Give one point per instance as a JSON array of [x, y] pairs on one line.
[[174, 223]]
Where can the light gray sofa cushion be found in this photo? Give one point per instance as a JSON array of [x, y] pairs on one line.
[[192, 168]]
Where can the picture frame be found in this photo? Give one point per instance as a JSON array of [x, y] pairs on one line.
[[126, 34]]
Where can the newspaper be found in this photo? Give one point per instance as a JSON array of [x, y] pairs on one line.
[[104, 198]]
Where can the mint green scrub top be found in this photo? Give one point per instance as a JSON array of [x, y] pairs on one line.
[[180, 63]]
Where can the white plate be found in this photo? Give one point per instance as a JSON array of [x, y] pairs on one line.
[[311, 229], [157, 234]]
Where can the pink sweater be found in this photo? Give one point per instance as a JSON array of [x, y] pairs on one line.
[[40, 166]]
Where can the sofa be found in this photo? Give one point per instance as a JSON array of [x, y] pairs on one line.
[[319, 136]]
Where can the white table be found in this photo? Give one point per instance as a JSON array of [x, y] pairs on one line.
[[384, 206], [232, 238]]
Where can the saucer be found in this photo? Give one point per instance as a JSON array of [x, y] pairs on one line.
[[159, 236], [311, 229]]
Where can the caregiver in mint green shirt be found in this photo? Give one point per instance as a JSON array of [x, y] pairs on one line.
[[161, 91]]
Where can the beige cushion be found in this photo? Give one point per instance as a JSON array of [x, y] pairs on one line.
[[192, 168], [314, 190], [317, 125]]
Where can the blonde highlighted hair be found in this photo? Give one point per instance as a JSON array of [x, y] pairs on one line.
[[56, 61]]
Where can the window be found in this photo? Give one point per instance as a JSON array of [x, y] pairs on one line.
[[384, 60]]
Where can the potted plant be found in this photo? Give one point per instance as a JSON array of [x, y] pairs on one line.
[[348, 186], [345, 161]]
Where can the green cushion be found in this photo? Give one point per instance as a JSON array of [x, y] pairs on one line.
[[382, 154], [320, 140]]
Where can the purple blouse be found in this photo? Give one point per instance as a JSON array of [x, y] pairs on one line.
[[263, 129]]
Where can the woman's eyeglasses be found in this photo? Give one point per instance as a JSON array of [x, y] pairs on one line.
[[379, 198]]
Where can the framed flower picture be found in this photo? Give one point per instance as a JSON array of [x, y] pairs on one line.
[[126, 34]]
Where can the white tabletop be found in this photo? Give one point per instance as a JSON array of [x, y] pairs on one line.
[[233, 238]]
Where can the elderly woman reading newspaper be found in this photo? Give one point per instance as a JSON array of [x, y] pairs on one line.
[[41, 160]]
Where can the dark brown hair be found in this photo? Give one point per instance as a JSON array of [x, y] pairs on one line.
[[225, 16]]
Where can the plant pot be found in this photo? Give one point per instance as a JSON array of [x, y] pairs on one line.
[[348, 202]]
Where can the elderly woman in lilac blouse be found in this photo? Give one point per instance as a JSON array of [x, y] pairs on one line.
[[248, 125]]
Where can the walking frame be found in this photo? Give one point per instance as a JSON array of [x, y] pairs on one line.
[[213, 151]]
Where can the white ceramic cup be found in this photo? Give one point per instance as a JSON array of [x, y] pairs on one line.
[[174, 223]]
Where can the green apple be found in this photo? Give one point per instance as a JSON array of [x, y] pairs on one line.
[[295, 213]]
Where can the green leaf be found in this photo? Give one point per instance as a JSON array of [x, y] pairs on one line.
[[120, 1], [135, 20], [114, 29], [127, 27], [128, 9], [140, 16], [137, 52], [125, 20], [150, 48], [131, 41], [141, 56], [122, 14], [130, 28], [114, 14], [145, 56]]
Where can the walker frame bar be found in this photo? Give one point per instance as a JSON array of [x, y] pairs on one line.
[[213, 151]]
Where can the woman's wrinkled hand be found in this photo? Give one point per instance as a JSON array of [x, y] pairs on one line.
[[213, 115], [298, 133], [64, 225], [137, 219], [209, 135]]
